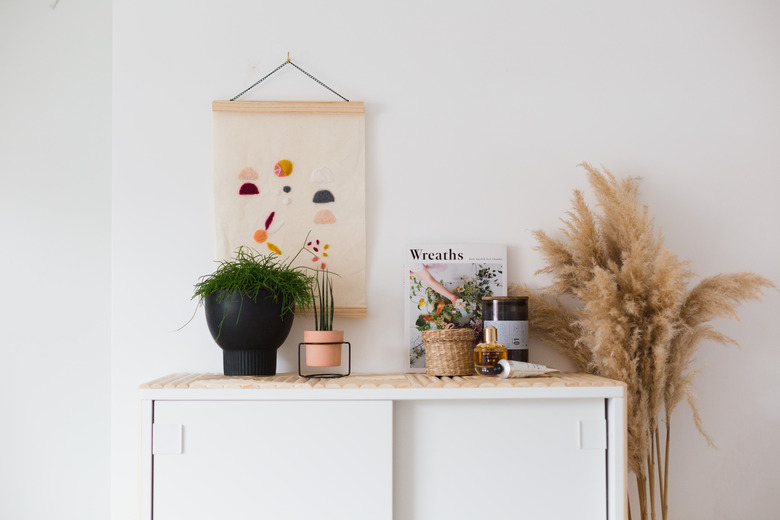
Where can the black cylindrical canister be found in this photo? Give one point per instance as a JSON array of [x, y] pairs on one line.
[[509, 315]]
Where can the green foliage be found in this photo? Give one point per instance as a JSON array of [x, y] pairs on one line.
[[250, 271], [322, 300], [478, 287], [437, 311]]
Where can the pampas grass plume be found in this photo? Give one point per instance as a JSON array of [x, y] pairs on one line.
[[636, 318]]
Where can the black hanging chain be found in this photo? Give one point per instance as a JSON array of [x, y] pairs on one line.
[[318, 81], [276, 69], [259, 81]]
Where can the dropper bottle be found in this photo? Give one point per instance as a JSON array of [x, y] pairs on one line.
[[487, 354]]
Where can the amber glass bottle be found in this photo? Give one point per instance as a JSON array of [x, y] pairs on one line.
[[487, 354]]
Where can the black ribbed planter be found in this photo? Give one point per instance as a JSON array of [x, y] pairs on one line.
[[248, 330]]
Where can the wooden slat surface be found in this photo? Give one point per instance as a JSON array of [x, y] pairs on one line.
[[339, 312], [287, 381]]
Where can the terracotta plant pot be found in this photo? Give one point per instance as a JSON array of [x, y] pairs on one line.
[[327, 355]]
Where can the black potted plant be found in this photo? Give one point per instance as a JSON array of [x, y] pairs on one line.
[[250, 305]]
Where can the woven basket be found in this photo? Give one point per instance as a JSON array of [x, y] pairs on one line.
[[449, 352]]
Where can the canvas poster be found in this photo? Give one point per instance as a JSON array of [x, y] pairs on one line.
[[285, 170], [444, 286]]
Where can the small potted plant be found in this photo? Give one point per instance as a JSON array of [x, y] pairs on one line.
[[323, 345], [250, 305]]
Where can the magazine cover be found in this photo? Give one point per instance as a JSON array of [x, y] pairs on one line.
[[445, 284]]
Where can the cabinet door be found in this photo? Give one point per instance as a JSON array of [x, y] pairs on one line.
[[272, 459], [500, 459]]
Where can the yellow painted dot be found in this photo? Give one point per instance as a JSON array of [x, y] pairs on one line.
[[283, 168]]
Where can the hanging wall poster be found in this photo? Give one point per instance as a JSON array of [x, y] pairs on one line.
[[285, 170], [443, 287]]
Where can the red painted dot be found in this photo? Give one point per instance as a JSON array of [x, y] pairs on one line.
[[248, 189]]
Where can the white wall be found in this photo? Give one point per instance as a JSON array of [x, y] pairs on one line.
[[55, 211], [474, 115]]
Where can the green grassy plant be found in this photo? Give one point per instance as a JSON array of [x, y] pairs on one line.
[[322, 300], [249, 272]]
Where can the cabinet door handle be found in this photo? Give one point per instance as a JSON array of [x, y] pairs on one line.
[[166, 438], [592, 434]]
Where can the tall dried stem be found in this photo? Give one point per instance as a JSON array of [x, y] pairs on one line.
[[651, 479], [660, 465], [641, 484], [665, 502]]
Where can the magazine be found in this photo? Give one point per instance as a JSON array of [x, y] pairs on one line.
[[444, 287]]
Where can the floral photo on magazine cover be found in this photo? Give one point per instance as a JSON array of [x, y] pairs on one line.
[[445, 295]]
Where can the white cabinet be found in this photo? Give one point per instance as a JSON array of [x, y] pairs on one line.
[[403, 446], [274, 459]]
